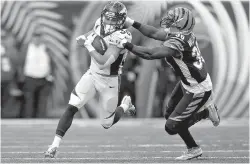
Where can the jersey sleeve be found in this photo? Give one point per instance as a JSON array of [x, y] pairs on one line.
[[97, 25], [176, 45]]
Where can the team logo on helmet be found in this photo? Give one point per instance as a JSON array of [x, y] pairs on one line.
[[113, 17], [180, 18]]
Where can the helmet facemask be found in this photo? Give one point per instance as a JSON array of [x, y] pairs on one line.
[[111, 23]]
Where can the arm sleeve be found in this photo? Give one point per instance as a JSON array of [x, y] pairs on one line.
[[97, 24]]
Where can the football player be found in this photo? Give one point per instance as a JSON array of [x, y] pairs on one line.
[[191, 100], [102, 76]]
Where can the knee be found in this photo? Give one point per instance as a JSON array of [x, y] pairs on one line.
[[72, 108], [107, 123], [170, 128]]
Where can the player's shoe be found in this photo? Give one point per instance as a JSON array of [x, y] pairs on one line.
[[51, 152], [131, 108], [191, 153], [214, 115]]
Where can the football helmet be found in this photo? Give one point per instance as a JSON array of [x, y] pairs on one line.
[[113, 17], [180, 18]]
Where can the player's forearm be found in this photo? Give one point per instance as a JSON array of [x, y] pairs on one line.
[[150, 53], [98, 57], [110, 60], [142, 52], [150, 31]]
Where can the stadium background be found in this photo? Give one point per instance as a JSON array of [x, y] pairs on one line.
[[222, 29]]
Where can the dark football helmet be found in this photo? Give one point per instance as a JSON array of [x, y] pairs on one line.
[[113, 17], [180, 18]]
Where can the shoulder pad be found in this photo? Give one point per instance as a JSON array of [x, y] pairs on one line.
[[97, 24], [175, 44], [122, 34]]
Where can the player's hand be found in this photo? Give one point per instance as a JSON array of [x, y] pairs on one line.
[[128, 22], [81, 40], [122, 43], [88, 42], [89, 39]]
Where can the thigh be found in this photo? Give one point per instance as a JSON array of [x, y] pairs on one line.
[[83, 91], [109, 97], [198, 103], [30, 84], [175, 98], [109, 102], [189, 105]]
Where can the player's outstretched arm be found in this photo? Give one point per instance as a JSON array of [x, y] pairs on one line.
[[151, 53], [147, 30]]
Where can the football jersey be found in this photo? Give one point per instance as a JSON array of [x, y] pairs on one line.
[[116, 67], [188, 63]]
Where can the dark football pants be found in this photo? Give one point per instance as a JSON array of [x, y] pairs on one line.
[[182, 107]]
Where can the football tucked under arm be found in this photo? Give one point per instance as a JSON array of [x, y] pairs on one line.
[[100, 51], [99, 45], [115, 45]]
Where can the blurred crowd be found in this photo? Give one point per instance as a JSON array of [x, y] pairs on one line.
[[27, 75]]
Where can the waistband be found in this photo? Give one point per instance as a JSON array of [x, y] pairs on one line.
[[106, 75]]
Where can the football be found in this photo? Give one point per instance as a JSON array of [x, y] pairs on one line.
[[100, 45]]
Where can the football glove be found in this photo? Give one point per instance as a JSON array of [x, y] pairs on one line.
[[129, 22], [122, 43], [81, 40], [88, 42]]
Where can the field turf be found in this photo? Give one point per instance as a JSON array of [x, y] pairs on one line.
[[129, 141]]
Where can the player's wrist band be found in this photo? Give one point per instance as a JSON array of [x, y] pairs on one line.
[[129, 46], [90, 48], [136, 25]]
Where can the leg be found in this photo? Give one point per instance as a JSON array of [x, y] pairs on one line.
[[29, 88], [4, 93], [173, 125], [83, 92], [111, 114], [43, 94], [198, 108], [176, 96], [183, 117]]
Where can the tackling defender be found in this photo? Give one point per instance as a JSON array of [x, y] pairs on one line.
[[191, 100], [102, 76]]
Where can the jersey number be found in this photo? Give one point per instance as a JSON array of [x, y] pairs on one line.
[[197, 54], [124, 32]]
